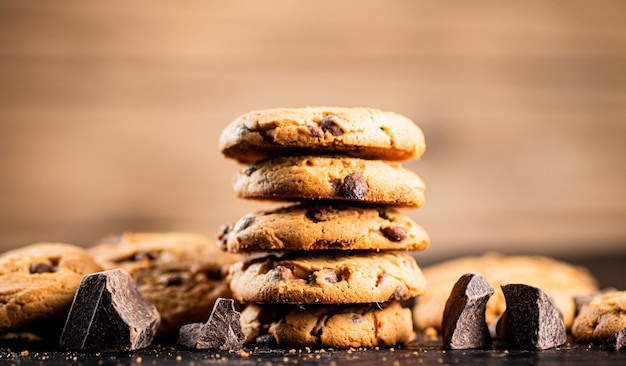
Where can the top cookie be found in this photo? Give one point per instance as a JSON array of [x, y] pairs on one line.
[[358, 132], [38, 281], [601, 318], [559, 280]]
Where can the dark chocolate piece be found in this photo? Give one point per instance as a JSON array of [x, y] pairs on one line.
[[328, 124], [530, 321], [41, 267], [109, 314], [222, 331], [394, 233], [618, 340], [464, 325], [354, 186]]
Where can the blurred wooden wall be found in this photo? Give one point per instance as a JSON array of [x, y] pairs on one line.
[[110, 111]]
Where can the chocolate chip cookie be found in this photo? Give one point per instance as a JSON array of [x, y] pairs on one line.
[[340, 326], [327, 278], [359, 132], [182, 274], [559, 280], [601, 318], [307, 177], [38, 281], [324, 227]]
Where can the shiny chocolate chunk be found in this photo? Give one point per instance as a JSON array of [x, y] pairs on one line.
[[41, 267], [530, 321], [222, 331], [354, 186], [464, 325], [315, 131], [109, 314]]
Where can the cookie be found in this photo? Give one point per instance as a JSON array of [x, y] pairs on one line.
[[327, 278], [559, 280], [359, 132], [310, 177], [38, 281], [324, 227], [367, 325], [604, 316], [182, 274]]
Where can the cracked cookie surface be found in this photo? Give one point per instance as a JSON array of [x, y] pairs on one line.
[[182, 274], [327, 278], [324, 227], [359, 132], [38, 281], [305, 177]]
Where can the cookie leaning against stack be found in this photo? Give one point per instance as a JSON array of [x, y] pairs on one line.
[[329, 269]]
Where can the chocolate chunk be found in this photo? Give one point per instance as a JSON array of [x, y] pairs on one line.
[[315, 215], [147, 256], [222, 331], [464, 325], [383, 214], [381, 278], [41, 267], [321, 321], [215, 273], [173, 279], [530, 321], [323, 276], [354, 186], [617, 341], [399, 293], [109, 314], [315, 131], [282, 274], [394, 233], [250, 169], [328, 124]]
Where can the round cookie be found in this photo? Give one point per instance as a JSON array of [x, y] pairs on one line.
[[324, 227], [347, 326], [310, 177], [182, 274], [601, 318], [327, 278], [38, 281], [559, 280], [360, 132]]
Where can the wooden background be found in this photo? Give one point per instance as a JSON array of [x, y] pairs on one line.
[[110, 112]]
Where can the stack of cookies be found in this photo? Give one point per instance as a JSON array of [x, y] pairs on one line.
[[331, 268]]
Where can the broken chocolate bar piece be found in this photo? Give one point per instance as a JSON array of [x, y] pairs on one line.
[[222, 331], [530, 321], [109, 314], [464, 325], [618, 340]]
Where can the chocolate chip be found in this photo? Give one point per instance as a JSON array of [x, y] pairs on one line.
[[353, 187], [319, 325], [356, 318], [464, 325], [530, 321], [173, 279], [399, 293], [250, 169], [383, 214], [328, 124], [282, 274], [394, 233], [41, 267], [145, 256], [617, 341], [315, 214], [315, 131], [109, 314], [222, 331], [215, 273], [381, 278], [265, 340], [324, 276]]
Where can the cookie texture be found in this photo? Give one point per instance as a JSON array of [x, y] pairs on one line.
[[310, 177], [360, 132], [346, 326], [604, 316], [559, 280], [327, 278], [324, 227], [38, 281], [182, 274]]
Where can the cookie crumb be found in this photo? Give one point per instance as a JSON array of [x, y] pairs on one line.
[[138, 359], [431, 333]]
